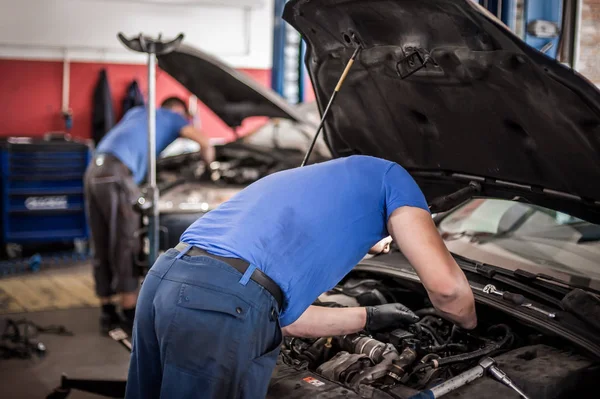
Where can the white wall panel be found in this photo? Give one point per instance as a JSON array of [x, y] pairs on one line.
[[239, 31]]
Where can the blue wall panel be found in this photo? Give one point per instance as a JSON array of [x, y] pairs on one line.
[[549, 10]]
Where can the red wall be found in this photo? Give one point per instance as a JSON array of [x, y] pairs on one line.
[[31, 96]]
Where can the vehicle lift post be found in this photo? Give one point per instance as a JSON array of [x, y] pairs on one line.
[[152, 47]]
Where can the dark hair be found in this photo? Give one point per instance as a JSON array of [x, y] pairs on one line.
[[173, 102]]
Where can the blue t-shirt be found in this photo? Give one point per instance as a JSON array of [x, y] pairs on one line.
[[306, 228], [128, 139]]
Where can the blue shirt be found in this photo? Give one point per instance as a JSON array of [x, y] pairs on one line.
[[128, 139], [306, 228]]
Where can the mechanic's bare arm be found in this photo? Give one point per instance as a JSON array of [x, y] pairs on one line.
[[320, 321], [207, 151], [415, 233]]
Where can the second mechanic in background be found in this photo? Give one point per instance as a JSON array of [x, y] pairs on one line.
[[111, 188]]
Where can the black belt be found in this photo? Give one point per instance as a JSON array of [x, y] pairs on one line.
[[241, 266]]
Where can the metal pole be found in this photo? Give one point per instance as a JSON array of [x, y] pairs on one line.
[[577, 35], [509, 14], [152, 48], [153, 231], [278, 68], [301, 52]]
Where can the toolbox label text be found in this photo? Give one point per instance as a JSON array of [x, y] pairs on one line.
[[54, 202]]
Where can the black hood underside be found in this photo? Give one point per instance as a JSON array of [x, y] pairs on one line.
[[230, 94], [486, 107]]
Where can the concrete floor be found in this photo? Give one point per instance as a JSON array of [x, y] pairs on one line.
[[87, 354]]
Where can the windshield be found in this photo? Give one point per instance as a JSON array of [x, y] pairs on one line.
[[515, 235]]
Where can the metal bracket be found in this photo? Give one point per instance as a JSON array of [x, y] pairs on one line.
[[543, 29], [485, 270], [412, 63]]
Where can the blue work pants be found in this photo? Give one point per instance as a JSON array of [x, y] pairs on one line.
[[200, 333]]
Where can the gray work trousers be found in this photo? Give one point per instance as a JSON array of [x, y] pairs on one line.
[[110, 194]]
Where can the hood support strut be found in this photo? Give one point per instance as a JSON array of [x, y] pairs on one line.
[[451, 200], [335, 92]]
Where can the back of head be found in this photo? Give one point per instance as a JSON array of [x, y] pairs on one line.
[[177, 105]]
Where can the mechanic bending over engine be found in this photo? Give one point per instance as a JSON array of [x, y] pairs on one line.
[[111, 188], [212, 311]]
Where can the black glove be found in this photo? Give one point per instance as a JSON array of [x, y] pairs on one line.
[[389, 315]]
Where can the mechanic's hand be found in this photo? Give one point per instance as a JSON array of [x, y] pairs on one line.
[[389, 315], [382, 247], [475, 331]]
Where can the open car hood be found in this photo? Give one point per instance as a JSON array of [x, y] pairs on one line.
[[230, 94], [486, 107]]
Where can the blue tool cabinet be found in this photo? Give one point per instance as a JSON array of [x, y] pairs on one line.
[[42, 198]]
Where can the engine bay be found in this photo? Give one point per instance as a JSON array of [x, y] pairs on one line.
[[405, 361], [236, 164]]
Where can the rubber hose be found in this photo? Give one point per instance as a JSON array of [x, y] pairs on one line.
[[471, 355], [480, 352], [432, 312], [438, 340], [315, 352], [441, 348], [378, 371]]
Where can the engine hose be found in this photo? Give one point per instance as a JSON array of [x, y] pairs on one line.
[[432, 312], [455, 330], [397, 370], [447, 347], [486, 350], [437, 339], [379, 370], [314, 354]]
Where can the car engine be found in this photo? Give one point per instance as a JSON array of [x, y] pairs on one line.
[[237, 164], [405, 361]]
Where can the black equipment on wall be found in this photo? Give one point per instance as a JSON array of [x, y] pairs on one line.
[[133, 97], [103, 114]]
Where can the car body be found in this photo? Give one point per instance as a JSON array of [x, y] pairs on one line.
[[504, 142]]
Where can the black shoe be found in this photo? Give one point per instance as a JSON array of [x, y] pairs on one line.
[[127, 320], [109, 321], [127, 326], [109, 318]]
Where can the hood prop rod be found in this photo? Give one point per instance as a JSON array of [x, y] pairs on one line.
[[333, 96], [451, 200]]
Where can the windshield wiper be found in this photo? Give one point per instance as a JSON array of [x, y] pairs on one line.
[[547, 281], [475, 236], [508, 277], [541, 277]]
